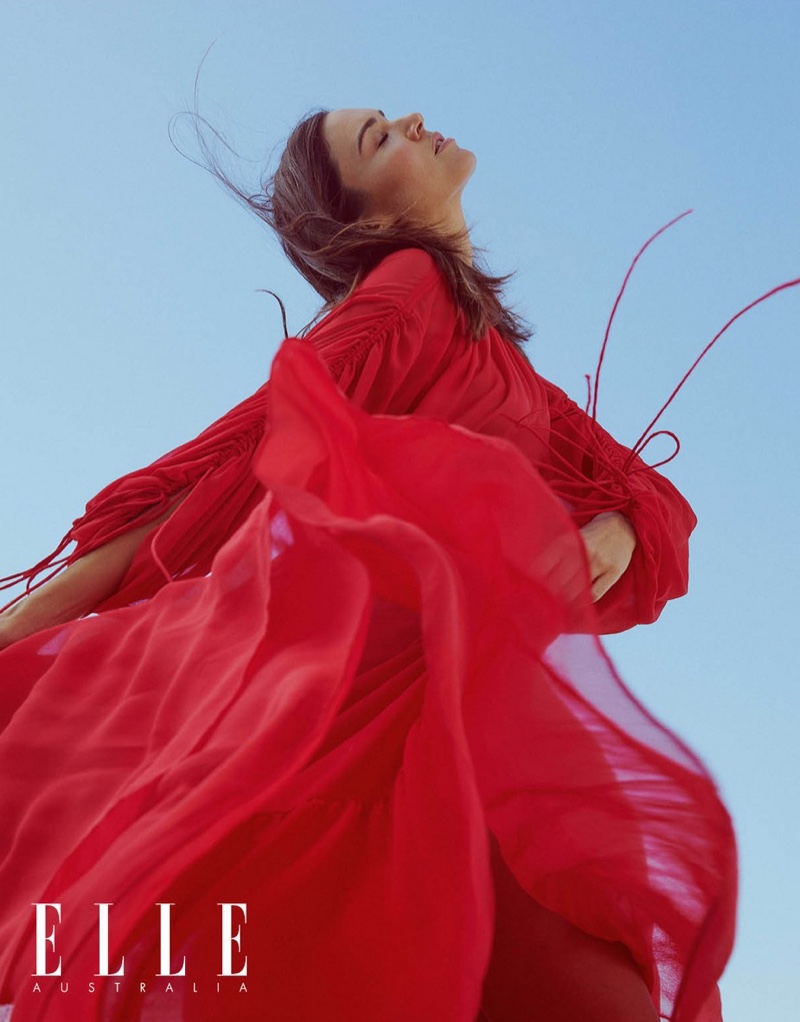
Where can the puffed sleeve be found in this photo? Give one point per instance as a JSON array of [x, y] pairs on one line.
[[593, 473]]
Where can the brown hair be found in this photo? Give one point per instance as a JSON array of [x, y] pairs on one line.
[[322, 231]]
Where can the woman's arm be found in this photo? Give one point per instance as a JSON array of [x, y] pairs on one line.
[[78, 588], [378, 306], [593, 472]]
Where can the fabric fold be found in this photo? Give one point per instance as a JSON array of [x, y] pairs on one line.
[[382, 663]]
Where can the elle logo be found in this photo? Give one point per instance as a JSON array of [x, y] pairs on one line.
[[228, 938]]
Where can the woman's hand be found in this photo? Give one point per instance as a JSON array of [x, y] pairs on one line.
[[77, 589], [610, 540]]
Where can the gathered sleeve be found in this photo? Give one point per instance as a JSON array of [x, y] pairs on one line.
[[593, 473], [368, 342]]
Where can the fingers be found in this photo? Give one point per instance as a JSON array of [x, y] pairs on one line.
[[602, 583], [604, 573], [609, 543]]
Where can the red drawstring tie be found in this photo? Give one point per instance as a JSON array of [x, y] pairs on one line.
[[636, 258], [646, 436]]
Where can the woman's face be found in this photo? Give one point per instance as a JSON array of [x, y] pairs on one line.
[[398, 166]]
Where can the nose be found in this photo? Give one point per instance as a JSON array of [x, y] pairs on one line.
[[413, 124]]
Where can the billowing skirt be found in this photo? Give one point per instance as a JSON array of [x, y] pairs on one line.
[[307, 758]]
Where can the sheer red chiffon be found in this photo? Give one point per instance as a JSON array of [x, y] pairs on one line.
[[356, 667]]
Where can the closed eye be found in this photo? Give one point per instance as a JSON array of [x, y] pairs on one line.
[[383, 139]]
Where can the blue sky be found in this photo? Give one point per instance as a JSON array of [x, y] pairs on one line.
[[130, 317]]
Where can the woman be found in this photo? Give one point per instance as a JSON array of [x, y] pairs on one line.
[[353, 679]]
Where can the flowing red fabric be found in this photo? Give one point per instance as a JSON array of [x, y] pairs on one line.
[[362, 648]]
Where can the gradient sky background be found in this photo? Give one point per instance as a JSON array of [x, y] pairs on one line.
[[130, 318]]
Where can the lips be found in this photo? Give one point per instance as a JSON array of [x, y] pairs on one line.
[[439, 142]]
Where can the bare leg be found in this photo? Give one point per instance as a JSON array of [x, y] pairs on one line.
[[544, 969]]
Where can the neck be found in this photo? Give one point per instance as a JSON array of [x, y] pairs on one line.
[[456, 222]]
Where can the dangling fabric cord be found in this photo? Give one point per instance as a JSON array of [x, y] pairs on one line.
[[591, 398], [638, 447], [660, 432], [646, 245], [220, 453]]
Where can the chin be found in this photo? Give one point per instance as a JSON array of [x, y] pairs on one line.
[[468, 163], [469, 158]]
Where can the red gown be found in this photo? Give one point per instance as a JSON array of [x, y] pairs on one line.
[[375, 670]]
